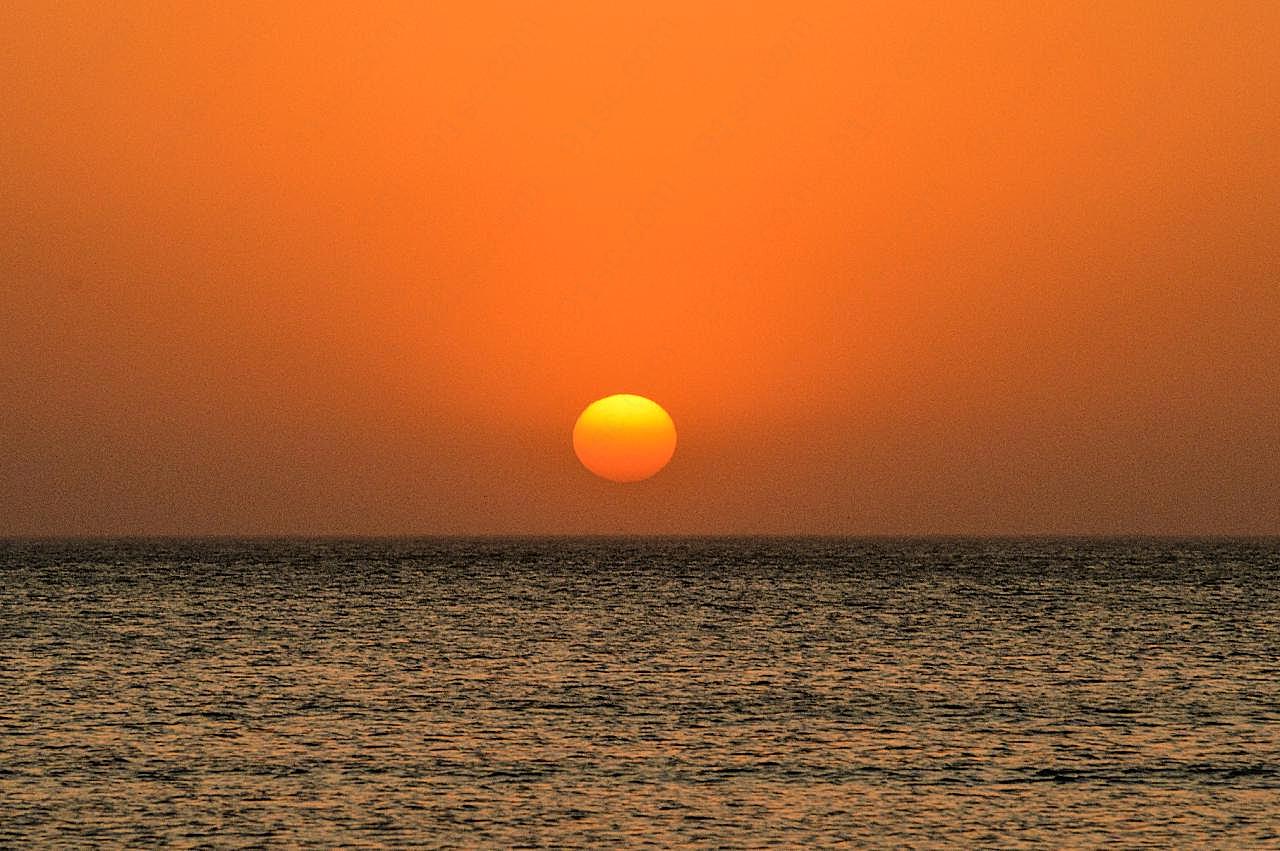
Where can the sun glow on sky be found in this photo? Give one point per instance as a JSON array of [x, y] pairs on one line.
[[965, 267]]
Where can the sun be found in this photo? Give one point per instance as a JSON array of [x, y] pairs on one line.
[[624, 438]]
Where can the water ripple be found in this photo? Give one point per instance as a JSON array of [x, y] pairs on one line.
[[580, 693]]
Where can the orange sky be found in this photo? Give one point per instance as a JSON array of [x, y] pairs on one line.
[[954, 268]]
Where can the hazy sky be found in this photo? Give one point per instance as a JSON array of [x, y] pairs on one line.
[[954, 268]]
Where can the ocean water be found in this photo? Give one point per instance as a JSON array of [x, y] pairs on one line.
[[718, 692]]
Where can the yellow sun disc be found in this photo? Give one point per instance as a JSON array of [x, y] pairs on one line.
[[624, 438]]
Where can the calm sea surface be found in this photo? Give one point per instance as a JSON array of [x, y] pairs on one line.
[[730, 692]]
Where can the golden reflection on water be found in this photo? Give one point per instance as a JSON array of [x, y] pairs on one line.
[[671, 692]]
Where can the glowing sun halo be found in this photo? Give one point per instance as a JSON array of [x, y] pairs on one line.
[[624, 438]]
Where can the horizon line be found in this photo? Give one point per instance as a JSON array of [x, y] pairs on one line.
[[498, 536]]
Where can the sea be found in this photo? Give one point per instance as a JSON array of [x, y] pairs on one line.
[[631, 692]]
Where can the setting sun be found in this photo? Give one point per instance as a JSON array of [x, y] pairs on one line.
[[624, 438]]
